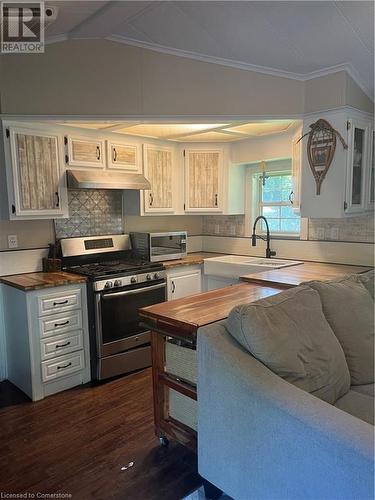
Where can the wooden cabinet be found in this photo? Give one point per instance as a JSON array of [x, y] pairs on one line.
[[203, 180], [370, 191], [35, 180], [85, 151], [346, 189], [357, 165], [47, 339], [182, 282], [159, 170], [295, 195], [122, 156]]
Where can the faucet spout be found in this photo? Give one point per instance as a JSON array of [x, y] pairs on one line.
[[269, 253]]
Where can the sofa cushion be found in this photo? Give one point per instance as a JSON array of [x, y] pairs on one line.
[[368, 389], [367, 279], [349, 310], [357, 404], [290, 335]]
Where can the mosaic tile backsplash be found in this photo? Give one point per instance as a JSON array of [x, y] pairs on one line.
[[92, 212]]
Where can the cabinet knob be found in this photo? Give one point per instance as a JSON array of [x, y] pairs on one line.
[[290, 197], [215, 200], [57, 199], [98, 152], [151, 199]]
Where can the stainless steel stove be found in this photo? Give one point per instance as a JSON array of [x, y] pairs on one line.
[[118, 286]]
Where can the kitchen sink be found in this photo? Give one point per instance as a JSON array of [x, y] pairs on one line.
[[234, 266]]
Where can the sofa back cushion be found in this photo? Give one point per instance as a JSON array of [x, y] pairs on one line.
[[349, 309], [367, 279], [290, 335]]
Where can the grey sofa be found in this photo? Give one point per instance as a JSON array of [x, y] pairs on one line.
[[263, 437]]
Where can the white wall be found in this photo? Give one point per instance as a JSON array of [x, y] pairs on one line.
[[100, 77]]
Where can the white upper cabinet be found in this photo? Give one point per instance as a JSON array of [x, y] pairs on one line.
[[123, 156], [346, 189], [370, 186], [203, 180], [36, 185], [84, 151], [295, 195], [160, 170], [357, 166]]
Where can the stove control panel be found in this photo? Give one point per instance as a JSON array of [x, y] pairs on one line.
[[123, 281]]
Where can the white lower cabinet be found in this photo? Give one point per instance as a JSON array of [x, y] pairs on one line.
[[47, 339], [184, 281]]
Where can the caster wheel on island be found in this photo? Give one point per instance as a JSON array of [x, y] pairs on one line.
[[164, 441]]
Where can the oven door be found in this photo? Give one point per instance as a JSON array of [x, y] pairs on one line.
[[117, 319]]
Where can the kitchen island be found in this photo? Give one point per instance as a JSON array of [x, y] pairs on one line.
[[181, 319]]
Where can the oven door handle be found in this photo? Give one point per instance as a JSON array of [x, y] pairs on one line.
[[137, 290]]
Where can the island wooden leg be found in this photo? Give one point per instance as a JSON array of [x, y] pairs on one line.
[[158, 363]]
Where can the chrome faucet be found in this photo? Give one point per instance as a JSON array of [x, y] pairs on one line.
[[269, 253]]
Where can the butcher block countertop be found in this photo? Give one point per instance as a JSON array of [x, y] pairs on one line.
[[35, 281], [295, 275], [184, 316], [191, 259]]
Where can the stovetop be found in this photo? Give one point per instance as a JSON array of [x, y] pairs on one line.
[[123, 267]]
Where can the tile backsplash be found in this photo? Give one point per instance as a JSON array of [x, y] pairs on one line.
[[92, 212], [355, 229]]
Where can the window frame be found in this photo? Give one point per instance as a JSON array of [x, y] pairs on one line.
[[260, 203], [252, 207]]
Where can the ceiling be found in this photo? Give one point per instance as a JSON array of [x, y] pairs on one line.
[[189, 132], [298, 39]]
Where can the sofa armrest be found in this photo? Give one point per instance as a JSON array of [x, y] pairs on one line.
[[260, 437]]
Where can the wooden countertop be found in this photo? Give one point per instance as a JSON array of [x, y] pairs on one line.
[[184, 316], [295, 275], [35, 281], [190, 260]]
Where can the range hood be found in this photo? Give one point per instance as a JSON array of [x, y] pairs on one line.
[[91, 179]]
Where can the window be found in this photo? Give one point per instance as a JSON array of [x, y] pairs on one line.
[[274, 203]]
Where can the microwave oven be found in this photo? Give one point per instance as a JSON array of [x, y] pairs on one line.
[[156, 247]]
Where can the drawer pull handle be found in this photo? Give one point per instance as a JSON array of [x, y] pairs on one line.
[[61, 303], [62, 324], [62, 367], [62, 345]]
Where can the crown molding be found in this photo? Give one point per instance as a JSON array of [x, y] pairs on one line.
[[231, 63]]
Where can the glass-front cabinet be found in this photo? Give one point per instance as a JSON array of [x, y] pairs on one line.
[[358, 166], [371, 181]]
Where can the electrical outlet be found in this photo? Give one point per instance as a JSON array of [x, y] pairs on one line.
[[12, 241], [320, 233], [334, 233], [217, 229]]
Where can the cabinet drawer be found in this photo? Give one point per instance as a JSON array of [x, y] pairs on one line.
[[63, 365], [61, 344], [59, 302], [60, 323]]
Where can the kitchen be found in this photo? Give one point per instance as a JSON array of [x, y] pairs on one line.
[[144, 198]]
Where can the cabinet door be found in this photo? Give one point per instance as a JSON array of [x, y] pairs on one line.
[[36, 173], [158, 170], [358, 165], [371, 172], [203, 176], [295, 195], [123, 157], [184, 285], [85, 152]]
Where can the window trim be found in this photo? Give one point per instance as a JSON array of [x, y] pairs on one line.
[[251, 210], [260, 203]]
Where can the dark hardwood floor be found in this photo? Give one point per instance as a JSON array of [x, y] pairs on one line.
[[78, 441]]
